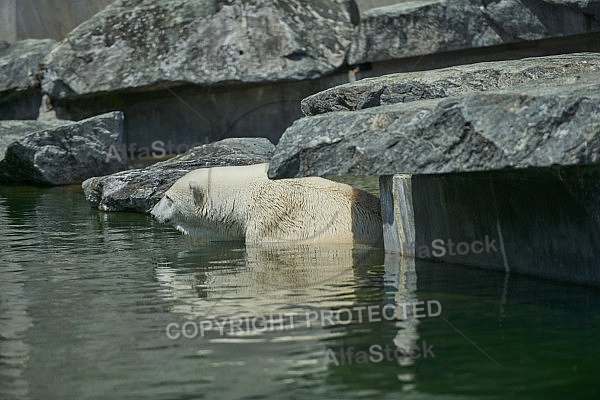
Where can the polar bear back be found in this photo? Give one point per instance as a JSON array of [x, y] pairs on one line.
[[312, 210]]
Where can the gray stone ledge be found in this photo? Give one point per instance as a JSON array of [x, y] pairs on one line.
[[447, 82], [540, 124]]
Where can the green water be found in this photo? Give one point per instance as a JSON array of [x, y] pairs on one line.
[[86, 297]]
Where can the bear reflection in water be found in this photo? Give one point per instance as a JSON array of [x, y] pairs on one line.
[[260, 280]]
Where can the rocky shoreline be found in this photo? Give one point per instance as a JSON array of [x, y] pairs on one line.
[[461, 152], [178, 76], [535, 112]]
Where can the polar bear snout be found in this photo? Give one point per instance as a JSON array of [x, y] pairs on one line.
[[163, 210]]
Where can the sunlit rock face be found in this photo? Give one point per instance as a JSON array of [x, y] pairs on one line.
[[537, 123], [151, 43], [190, 71], [449, 82]]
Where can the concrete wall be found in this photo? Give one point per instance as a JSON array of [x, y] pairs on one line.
[[190, 114], [539, 222], [40, 19]]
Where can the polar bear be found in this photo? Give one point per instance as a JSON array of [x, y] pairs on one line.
[[241, 203]]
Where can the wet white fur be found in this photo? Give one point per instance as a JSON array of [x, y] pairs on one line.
[[241, 203]]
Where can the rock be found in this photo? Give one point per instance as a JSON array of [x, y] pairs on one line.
[[157, 43], [140, 189], [520, 20], [414, 28], [446, 82], [20, 94], [539, 124], [11, 131], [65, 154], [19, 63], [364, 5]]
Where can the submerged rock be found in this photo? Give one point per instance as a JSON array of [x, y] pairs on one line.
[[414, 28], [65, 154], [158, 43], [20, 94], [140, 189]]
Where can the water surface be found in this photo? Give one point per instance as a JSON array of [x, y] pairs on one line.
[[86, 297]]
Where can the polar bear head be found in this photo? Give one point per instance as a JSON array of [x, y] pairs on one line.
[[211, 203]]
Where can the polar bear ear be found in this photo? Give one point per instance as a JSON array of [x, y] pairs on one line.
[[197, 194]]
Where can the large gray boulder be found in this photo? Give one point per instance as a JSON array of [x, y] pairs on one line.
[[539, 124], [414, 28], [66, 154], [20, 94], [140, 189], [159, 43], [446, 82], [11, 131]]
